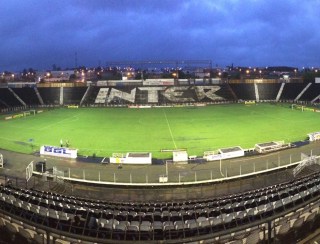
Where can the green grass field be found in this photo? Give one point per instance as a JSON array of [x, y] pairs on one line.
[[103, 131]]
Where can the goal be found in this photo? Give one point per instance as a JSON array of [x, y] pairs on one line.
[[297, 107], [29, 112]]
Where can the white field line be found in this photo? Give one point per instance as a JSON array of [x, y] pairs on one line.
[[165, 115], [75, 118], [7, 139], [22, 127], [115, 150]]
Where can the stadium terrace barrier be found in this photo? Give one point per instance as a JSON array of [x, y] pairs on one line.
[[147, 183], [24, 108]]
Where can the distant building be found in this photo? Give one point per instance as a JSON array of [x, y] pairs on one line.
[[54, 76], [7, 76]]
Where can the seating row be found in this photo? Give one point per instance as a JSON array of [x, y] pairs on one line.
[[157, 221]]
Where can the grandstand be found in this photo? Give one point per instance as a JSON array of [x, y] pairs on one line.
[[279, 206], [269, 91], [291, 91], [120, 95], [244, 91]]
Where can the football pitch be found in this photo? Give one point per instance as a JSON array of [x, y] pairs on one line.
[[103, 131]]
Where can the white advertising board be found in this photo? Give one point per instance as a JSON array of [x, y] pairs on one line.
[[225, 153], [315, 136], [58, 151], [158, 82], [213, 157], [133, 158], [233, 154], [180, 156]]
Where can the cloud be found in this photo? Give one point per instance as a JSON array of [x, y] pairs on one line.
[[250, 32]]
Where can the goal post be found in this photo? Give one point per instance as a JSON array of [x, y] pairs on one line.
[[297, 107], [29, 112]]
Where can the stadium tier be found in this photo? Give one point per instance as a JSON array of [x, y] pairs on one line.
[[292, 90], [28, 95], [311, 94], [73, 95], [7, 99], [254, 216], [268, 91], [123, 95], [284, 211], [244, 91], [50, 95]]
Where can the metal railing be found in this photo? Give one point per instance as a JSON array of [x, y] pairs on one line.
[[176, 177]]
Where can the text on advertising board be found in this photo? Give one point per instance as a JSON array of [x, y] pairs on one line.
[[58, 151]]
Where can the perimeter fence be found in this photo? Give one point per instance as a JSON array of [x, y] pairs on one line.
[[176, 174]]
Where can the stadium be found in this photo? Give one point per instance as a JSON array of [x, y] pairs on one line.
[[160, 161]]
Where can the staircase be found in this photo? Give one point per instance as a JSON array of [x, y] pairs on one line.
[[280, 92], [61, 95], [85, 95], [232, 92], [17, 97], [315, 99], [38, 95], [303, 91], [256, 90], [5, 104]]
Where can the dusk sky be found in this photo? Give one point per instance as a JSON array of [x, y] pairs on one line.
[[40, 33]]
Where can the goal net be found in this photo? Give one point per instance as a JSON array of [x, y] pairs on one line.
[[29, 112], [297, 107]]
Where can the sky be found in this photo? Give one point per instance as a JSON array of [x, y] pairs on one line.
[[258, 33]]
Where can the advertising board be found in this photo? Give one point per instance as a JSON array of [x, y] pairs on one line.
[[58, 151]]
